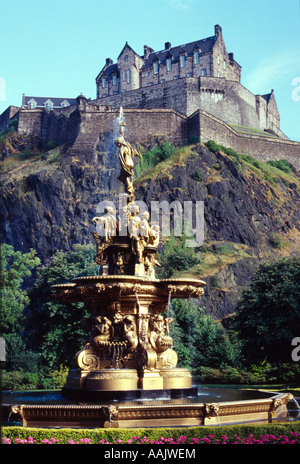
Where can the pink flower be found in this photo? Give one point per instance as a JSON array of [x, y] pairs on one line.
[[6, 441], [206, 440]]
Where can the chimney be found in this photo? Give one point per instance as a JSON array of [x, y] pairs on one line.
[[218, 31], [167, 45], [109, 61]]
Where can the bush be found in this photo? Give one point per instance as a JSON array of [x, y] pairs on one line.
[[177, 257], [266, 433], [18, 380], [155, 155], [256, 374], [59, 376], [216, 282], [282, 164], [277, 241]]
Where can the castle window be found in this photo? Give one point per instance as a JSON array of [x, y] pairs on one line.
[[114, 79], [155, 67], [126, 57], [203, 72], [218, 60], [196, 57], [169, 64], [64, 104], [128, 76], [182, 61], [104, 82], [31, 104], [48, 104], [224, 65], [124, 75]]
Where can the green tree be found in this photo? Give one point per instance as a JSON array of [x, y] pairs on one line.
[[15, 267], [198, 340], [176, 256], [268, 313], [54, 329]]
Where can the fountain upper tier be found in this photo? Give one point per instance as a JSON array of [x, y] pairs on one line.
[[117, 288]]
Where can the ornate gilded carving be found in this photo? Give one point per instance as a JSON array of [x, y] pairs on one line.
[[212, 409], [158, 339], [277, 402], [88, 360], [110, 412], [126, 155]]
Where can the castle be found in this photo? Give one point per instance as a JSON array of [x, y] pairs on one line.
[[184, 93]]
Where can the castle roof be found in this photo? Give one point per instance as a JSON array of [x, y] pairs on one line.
[[109, 70], [267, 96], [204, 46], [40, 102]]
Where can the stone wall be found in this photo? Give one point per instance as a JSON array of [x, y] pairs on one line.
[[7, 116], [263, 147], [167, 95], [30, 122], [57, 126], [98, 127], [90, 127]]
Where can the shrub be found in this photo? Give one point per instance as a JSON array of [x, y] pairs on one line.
[[248, 434], [197, 175], [277, 241], [282, 164], [177, 257], [155, 155], [59, 376], [216, 282]]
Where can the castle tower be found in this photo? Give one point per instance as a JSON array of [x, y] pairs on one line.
[[129, 65]]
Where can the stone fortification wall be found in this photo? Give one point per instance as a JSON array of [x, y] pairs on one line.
[[30, 122], [98, 127], [263, 147], [228, 100], [10, 113], [89, 127], [170, 94], [59, 126]]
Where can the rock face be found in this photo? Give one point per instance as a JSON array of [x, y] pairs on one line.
[[47, 203]]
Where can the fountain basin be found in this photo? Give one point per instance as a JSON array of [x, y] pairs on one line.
[[206, 408]]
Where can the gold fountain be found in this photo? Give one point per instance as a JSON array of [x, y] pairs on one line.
[[128, 353]]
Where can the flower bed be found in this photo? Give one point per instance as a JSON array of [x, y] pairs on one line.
[[291, 438], [236, 434]]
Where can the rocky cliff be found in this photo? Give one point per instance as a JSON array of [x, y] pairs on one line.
[[251, 209]]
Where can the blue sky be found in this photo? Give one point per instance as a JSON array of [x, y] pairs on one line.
[[56, 48]]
